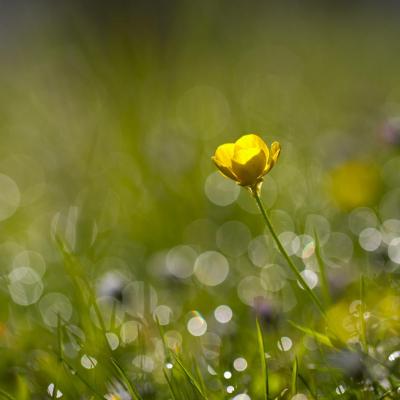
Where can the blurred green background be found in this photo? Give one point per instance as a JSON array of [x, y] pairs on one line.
[[109, 115]]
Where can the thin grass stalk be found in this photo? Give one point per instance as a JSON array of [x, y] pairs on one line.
[[192, 380], [322, 270], [289, 261], [294, 376], [5, 395], [264, 366]]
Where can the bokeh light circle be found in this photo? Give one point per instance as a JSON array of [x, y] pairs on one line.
[[285, 343], [113, 340], [261, 250], [227, 374], [390, 229], [162, 314], [211, 345], [318, 224], [25, 286], [250, 289], [54, 394], [290, 241], [88, 362], [173, 339], [211, 268], [273, 277], [242, 396], [197, 325], [310, 277], [180, 261], [338, 249], [370, 239], [233, 238], [32, 259], [223, 314], [394, 250], [362, 218], [53, 306], [109, 310], [140, 298], [144, 362], [240, 364], [306, 246], [281, 221], [129, 331], [299, 396], [220, 190]]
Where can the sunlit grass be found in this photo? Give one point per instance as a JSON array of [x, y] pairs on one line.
[[131, 269]]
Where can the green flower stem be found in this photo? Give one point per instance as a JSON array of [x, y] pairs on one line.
[[314, 298]]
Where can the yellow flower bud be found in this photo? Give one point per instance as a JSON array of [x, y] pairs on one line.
[[247, 160]]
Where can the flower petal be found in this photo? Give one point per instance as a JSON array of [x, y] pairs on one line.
[[274, 155], [251, 141], [275, 151], [248, 165], [223, 159]]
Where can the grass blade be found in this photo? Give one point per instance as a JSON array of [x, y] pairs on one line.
[[264, 367], [322, 270], [83, 380], [5, 395], [320, 337], [171, 387], [294, 377], [170, 379], [363, 328], [305, 383], [131, 389], [161, 332], [285, 254], [59, 338], [191, 378], [199, 375]]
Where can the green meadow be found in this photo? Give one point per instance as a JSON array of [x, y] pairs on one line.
[[131, 268]]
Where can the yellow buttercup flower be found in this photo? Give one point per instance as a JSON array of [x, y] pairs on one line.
[[247, 160]]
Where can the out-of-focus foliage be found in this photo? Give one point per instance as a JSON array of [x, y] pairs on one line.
[[130, 268]]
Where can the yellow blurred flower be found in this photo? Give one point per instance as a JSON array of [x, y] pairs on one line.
[[341, 323], [388, 309], [247, 160], [354, 184], [112, 397]]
